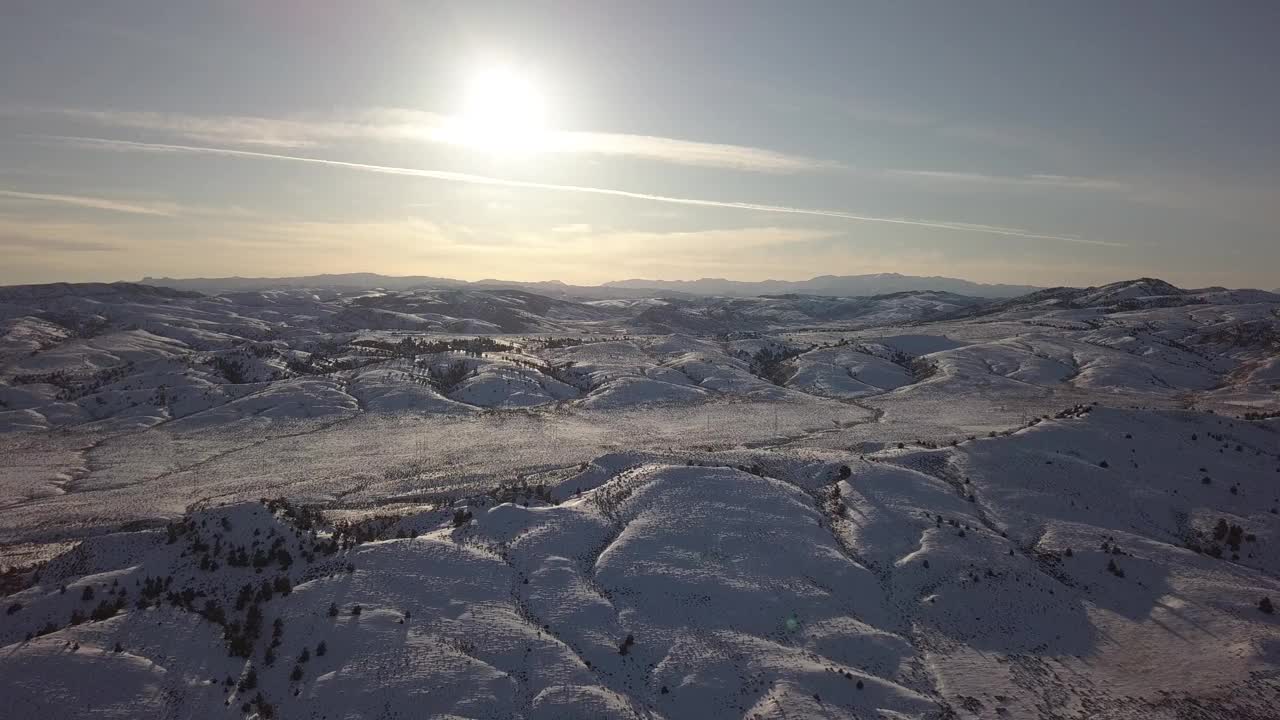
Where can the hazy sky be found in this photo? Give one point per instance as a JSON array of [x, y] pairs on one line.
[[1023, 142]]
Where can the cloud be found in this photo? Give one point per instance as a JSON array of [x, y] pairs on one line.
[[1067, 182], [450, 176], [716, 243], [684, 152], [42, 238], [23, 241], [401, 125], [94, 203], [234, 129], [572, 228]]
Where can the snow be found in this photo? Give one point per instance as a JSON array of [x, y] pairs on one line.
[[914, 511]]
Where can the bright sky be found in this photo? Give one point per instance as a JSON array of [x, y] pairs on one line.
[[1044, 143]]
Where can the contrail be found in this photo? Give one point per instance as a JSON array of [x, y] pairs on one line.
[[87, 202], [501, 182]]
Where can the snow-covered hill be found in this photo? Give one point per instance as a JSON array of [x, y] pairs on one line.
[[485, 502], [1067, 565], [834, 285]]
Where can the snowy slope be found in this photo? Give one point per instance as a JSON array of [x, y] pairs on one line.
[[916, 505], [912, 583]]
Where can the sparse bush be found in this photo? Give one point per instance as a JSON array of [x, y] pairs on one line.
[[265, 709], [249, 681], [625, 646], [774, 365], [103, 611], [448, 378], [282, 585]]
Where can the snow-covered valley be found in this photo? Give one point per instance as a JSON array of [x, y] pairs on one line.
[[486, 502]]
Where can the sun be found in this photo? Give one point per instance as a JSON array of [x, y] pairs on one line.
[[503, 111]]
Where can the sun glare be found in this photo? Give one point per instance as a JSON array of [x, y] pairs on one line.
[[503, 112]]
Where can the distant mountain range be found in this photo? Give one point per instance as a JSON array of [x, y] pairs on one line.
[[832, 285], [838, 285]]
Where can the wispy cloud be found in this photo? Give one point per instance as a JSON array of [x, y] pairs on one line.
[[393, 125], [283, 133], [717, 243], [22, 235], [572, 228], [23, 241], [93, 203], [685, 152], [1045, 180], [467, 178]]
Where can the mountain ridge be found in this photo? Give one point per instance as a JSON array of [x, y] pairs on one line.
[[833, 285], [840, 285]]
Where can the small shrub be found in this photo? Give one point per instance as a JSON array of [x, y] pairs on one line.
[[249, 681], [282, 585], [1265, 606], [265, 709], [625, 646], [103, 611]]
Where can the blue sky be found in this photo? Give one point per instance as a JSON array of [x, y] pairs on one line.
[[1045, 143]]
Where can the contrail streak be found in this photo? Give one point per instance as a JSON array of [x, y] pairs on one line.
[[94, 203], [501, 182]]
